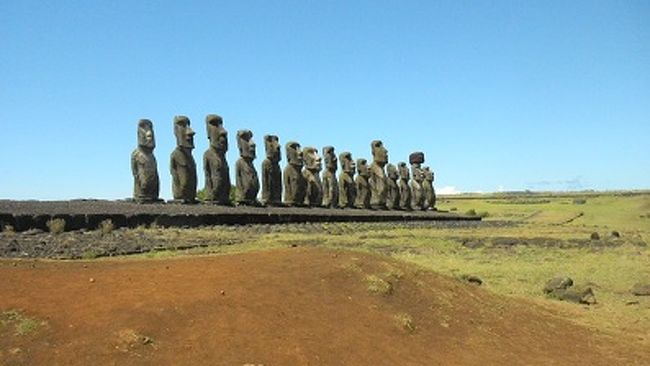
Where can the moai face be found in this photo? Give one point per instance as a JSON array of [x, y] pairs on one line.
[[379, 153], [404, 171], [362, 167], [217, 135], [246, 144], [272, 145], [184, 133], [331, 162], [311, 159], [418, 175], [347, 164], [391, 170], [145, 134], [428, 174], [294, 154]]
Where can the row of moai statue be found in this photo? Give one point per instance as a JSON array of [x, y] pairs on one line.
[[378, 186]]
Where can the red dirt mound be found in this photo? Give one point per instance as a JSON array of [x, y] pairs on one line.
[[284, 307]]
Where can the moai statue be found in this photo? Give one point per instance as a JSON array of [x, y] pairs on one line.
[[215, 166], [295, 185], [392, 196], [248, 184], [330, 184], [404, 186], [347, 187], [271, 173], [429, 191], [313, 166], [182, 165], [417, 199], [363, 187], [146, 187], [377, 176]]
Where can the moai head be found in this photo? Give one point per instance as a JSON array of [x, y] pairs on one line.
[[272, 146], [416, 158], [294, 154], [428, 174], [347, 164], [362, 167], [331, 163], [184, 133], [403, 171], [379, 153], [311, 159], [418, 175], [391, 171], [145, 134], [246, 144], [217, 135]]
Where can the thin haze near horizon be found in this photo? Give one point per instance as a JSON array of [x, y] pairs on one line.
[[500, 95]]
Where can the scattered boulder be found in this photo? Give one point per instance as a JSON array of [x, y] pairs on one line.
[[558, 283], [615, 234], [576, 295], [475, 280], [595, 236], [472, 243], [561, 288], [641, 289]]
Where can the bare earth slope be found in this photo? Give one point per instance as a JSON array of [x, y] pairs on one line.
[[294, 306]]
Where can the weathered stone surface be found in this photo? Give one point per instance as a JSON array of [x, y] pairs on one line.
[[417, 192], [377, 175], [641, 289], [428, 190], [347, 186], [576, 295], [215, 165], [313, 166], [557, 283], [248, 184], [363, 187], [392, 194], [271, 173], [330, 183], [295, 185], [404, 186], [146, 187], [182, 164]]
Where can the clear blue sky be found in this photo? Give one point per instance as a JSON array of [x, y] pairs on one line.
[[542, 95]]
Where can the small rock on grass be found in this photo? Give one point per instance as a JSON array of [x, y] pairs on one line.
[[558, 283], [641, 289], [475, 280]]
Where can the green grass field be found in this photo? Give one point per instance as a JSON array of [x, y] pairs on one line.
[[535, 238]]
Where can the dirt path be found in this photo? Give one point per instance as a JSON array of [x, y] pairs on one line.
[[297, 306]]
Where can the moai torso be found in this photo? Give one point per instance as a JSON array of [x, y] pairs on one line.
[[347, 186], [182, 164], [146, 187], [362, 185], [417, 192], [392, 196], [247, 182], [377, 176], [271, 173], [417, 201], [404, 187], [429, 191], [314, 193], [330, 183], [215, 165], [295, 185]]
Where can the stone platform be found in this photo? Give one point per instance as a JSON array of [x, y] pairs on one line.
[[87, 214]]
